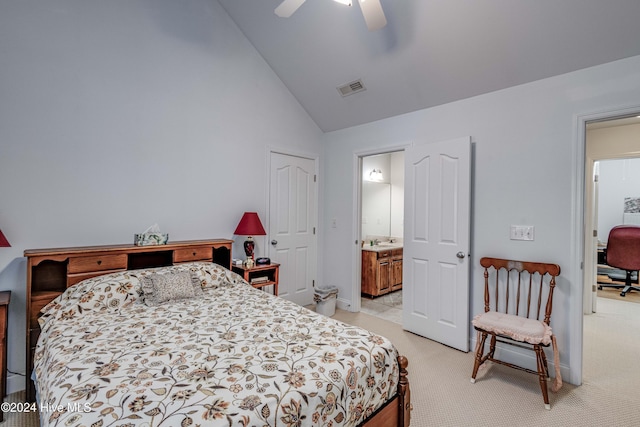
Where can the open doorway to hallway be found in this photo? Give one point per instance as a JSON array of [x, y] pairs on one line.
[[612, 174]]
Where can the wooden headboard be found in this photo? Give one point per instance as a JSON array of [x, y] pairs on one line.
[[51, 271]]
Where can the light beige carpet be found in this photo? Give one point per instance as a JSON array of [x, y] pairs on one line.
[[19, 419], [442, 394]]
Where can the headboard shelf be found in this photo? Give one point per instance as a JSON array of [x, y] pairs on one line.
[[138, 260], [51, 271]]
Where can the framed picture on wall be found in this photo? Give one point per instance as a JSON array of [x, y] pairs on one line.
[[631, 213]]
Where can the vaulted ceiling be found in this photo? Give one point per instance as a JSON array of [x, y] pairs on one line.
[[431, 52]]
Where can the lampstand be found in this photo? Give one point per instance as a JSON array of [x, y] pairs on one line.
[[250, 226]]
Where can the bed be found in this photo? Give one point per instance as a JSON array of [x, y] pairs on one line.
[[194, 344]]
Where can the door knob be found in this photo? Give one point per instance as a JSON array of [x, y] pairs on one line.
[[460, 254], [274, 242]]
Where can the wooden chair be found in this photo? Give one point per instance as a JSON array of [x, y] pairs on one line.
[[517, 310]]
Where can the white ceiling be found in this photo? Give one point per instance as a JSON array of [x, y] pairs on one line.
[[432, 51]]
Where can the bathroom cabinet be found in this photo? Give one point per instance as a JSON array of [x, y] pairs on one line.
[[381, 271]]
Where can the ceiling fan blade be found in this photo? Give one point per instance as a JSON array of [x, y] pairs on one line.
[[373, 14], [288, 7]]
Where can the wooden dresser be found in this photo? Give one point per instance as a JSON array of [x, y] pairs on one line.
[[51, 271]]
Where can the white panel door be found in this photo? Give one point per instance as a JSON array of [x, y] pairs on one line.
[[292, 222], [436, 241], [594, 239]]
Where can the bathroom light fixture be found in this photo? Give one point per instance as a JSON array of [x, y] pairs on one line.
[[375, 175]]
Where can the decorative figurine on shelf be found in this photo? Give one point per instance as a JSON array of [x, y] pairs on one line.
[[248, 263], [249, 226]]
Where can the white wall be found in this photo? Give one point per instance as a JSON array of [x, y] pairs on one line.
[[376, 197], [115, 115], [397, 194], [392, 167], [376, 210], [526, 157], [619, 178]]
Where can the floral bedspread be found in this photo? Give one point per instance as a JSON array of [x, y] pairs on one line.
[[234, 356]]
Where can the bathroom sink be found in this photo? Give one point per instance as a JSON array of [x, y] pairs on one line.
[[382, 246]]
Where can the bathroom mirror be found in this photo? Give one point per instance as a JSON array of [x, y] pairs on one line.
[[376, 209]]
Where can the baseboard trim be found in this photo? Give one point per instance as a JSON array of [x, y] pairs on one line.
[[343, 304], [15, 383]]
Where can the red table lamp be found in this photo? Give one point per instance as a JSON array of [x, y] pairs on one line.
[[249, 226], [4, 243]]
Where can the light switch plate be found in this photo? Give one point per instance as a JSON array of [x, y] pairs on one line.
[[522, 232]]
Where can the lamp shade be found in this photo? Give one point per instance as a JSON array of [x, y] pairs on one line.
[[4, 243], [250, 225]]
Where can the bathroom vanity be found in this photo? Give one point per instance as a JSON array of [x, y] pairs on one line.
[[381, 269]]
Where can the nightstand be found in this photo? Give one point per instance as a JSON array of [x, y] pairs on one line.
[[260, 276], [5, 297]]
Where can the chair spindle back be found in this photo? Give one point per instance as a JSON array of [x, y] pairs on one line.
[[519, 287]]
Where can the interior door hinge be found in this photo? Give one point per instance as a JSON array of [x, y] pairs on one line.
[[314, 230], [313, 283], [314, 178]]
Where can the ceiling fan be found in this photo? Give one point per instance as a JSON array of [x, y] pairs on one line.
[[371, 10]]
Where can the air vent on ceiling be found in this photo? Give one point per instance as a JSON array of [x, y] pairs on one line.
[[351, 88]]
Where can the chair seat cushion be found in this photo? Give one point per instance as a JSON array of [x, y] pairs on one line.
[[515, 327]]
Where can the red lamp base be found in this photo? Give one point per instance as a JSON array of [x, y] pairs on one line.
[[249, 245]]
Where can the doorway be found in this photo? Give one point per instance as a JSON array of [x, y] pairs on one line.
[[606, 140], [611, 142], [381, 228]]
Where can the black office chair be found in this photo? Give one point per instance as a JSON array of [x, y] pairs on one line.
[[623, 252]]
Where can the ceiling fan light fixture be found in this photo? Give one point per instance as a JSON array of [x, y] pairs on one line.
[[371, 10], [373, 14], [288, 7]]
